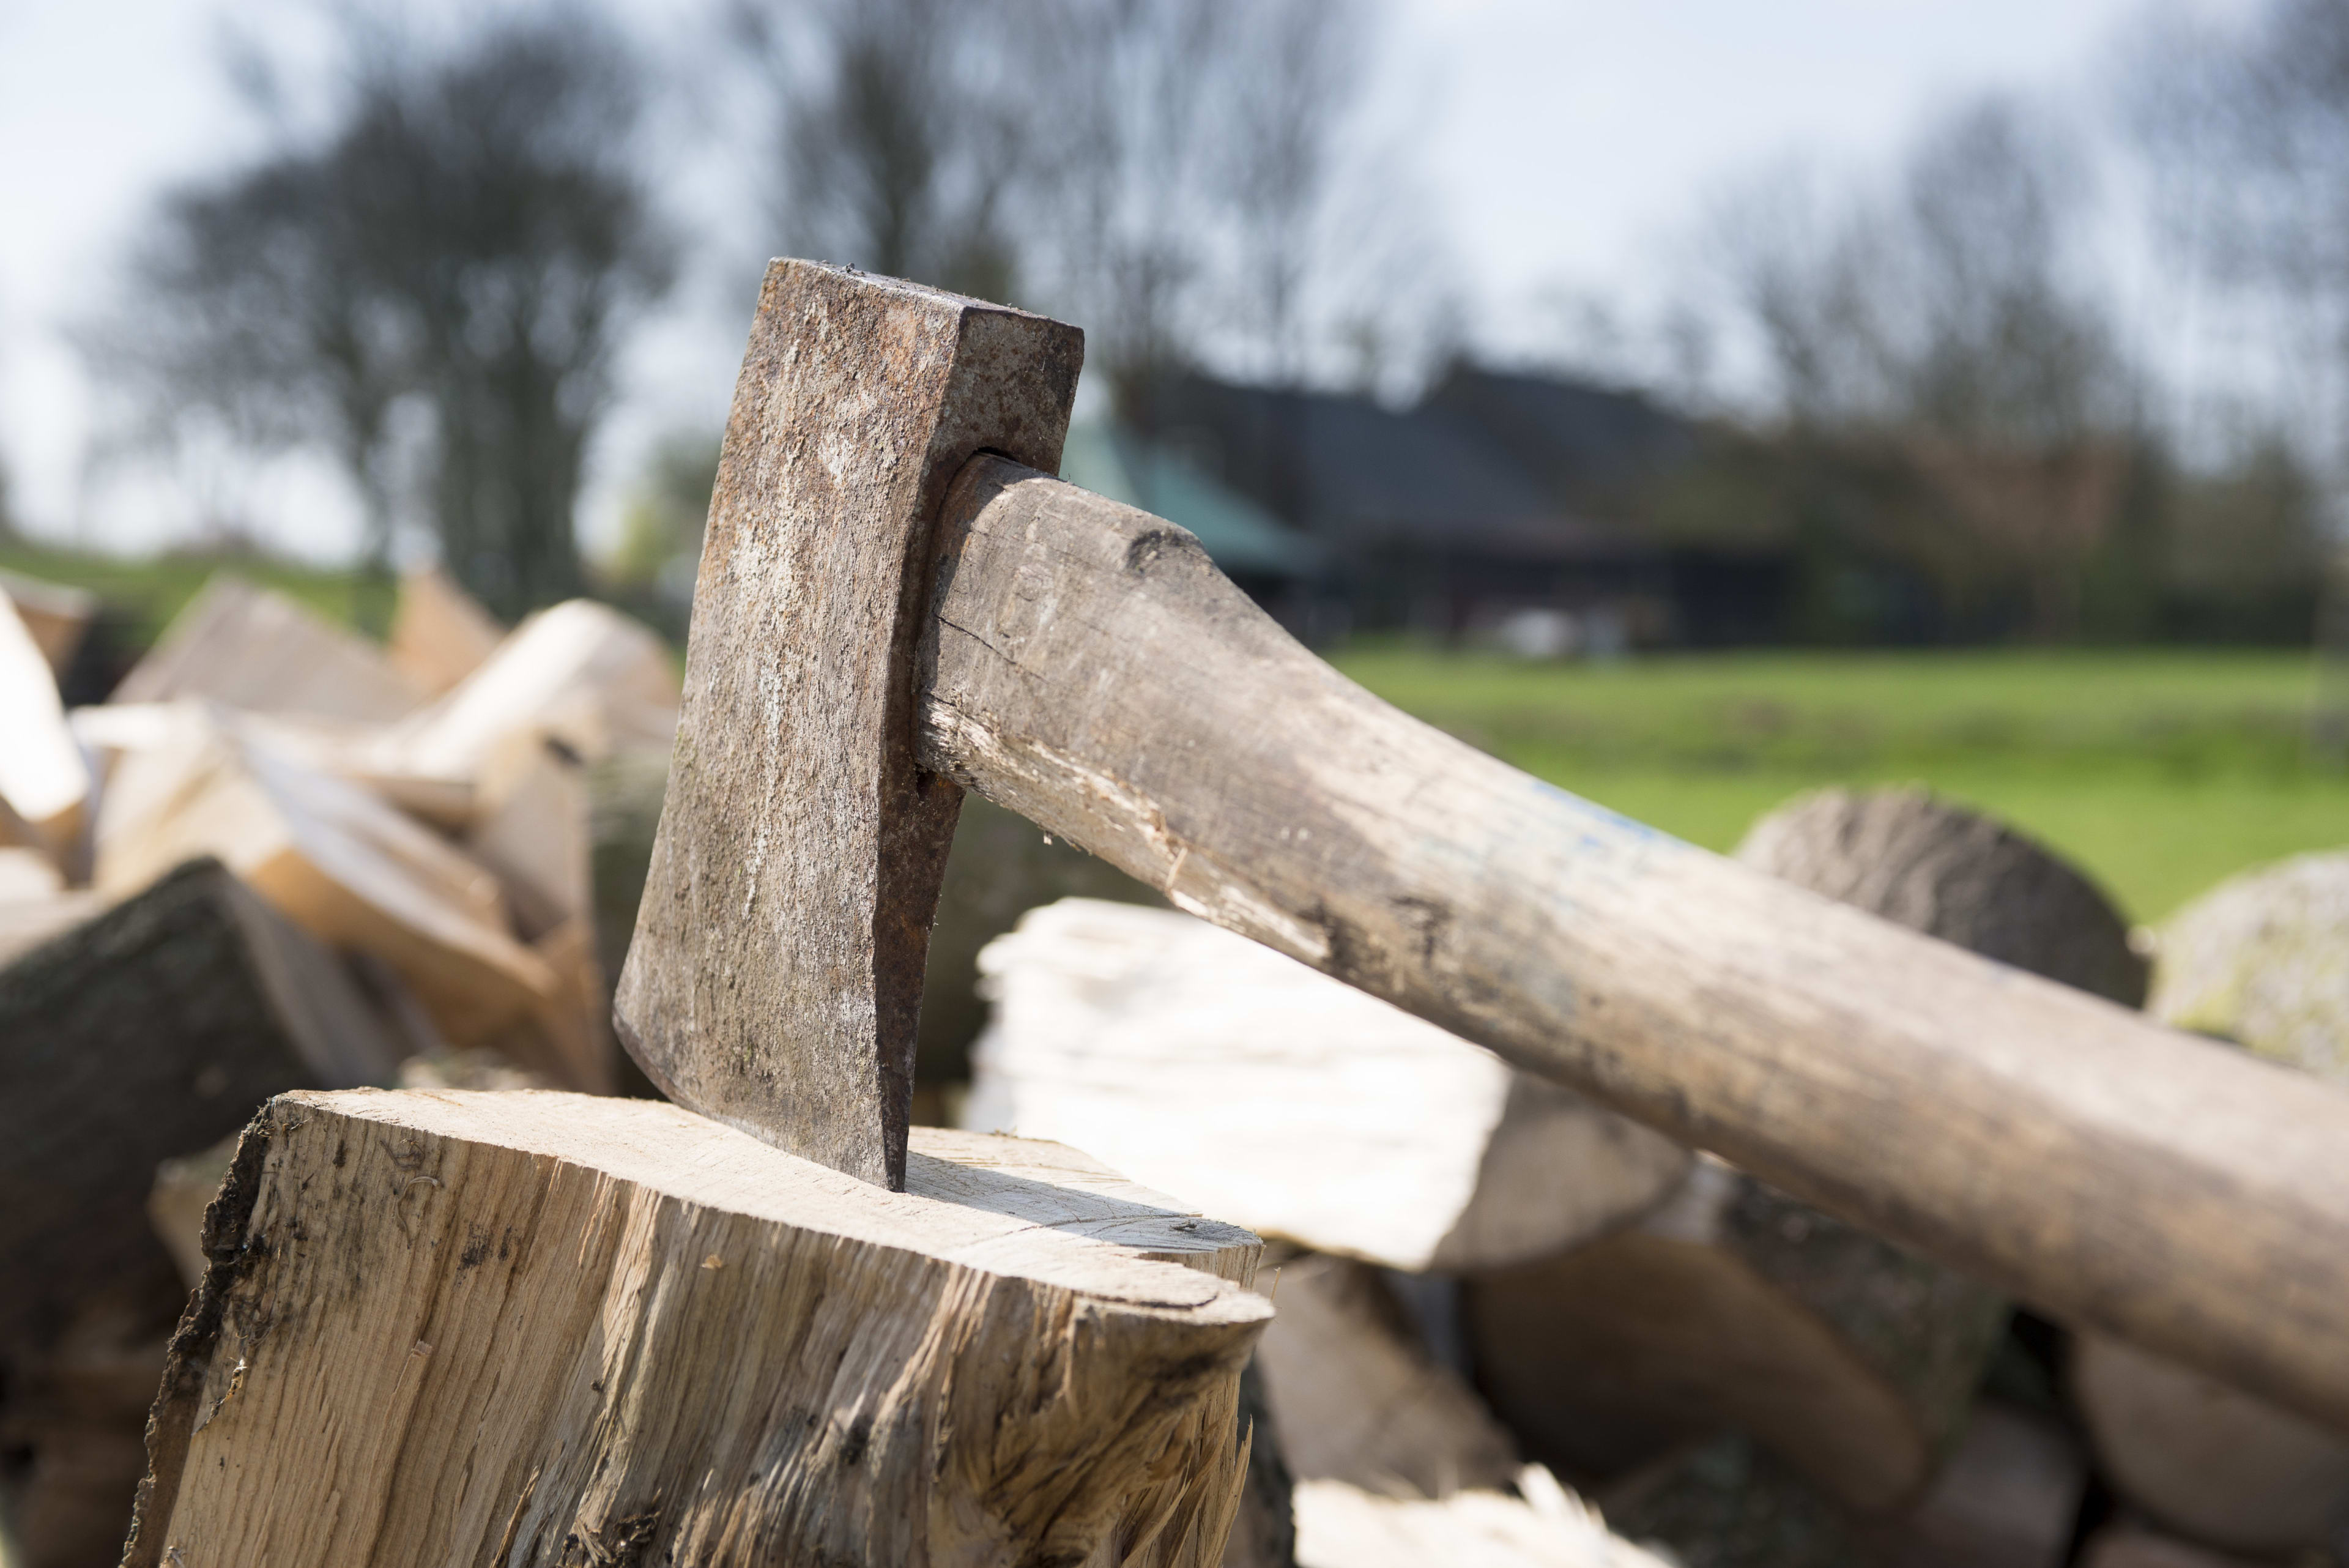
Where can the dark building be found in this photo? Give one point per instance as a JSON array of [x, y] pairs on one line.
[[1508, 505]]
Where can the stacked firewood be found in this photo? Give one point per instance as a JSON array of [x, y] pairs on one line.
[[280, 856], [1490, 1292]]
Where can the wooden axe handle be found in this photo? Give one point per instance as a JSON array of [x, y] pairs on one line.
[[1090, 669]]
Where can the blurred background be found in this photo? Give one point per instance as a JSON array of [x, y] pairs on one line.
[[1687, 404], [1697, 404]]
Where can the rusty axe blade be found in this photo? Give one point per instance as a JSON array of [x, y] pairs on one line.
[[775, 978]]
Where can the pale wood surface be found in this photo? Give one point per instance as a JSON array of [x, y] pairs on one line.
[[580, 673], [439, 633], [1343, 1526], [1357, 1399], [2217, 1466], [252, 647], [1211, 1066], [540, 1328], [775, 978], [334, 858], [531, 827], [1090, 669], [28, 875], [43, 779]]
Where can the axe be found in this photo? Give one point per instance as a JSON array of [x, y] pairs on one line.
[[898, 602]]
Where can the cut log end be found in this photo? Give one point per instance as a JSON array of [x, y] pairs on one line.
[[484, 1321]]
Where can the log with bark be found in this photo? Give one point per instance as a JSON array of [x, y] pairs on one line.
[[2216, 1465], [151, 1031], [1852, 1360], [1737, 1307], [539, 1327], [1250, 1084], [2263, 960], [1955, 873]]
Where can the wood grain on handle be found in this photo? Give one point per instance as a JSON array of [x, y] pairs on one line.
[[1090, 667]]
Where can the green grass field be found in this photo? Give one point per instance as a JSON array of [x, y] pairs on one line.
[[149, 590], [2160, 771]]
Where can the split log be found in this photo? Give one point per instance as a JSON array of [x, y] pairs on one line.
[[1542, 1526], [1738, 1307], [252, 648], [534, 830], [1219, 1069], [1356, 1398], [44, 782], [439, 633], [149, 1033], [580, 673], [2261, 960], [28, 876], [535, 1327], [2214, 1465], [57, 616], [336, 860]]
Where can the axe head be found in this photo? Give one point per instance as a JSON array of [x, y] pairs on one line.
[[775, 978]]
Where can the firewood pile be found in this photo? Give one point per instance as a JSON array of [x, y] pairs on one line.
[[1488, 1289], [280, 858], [1508, 1326]]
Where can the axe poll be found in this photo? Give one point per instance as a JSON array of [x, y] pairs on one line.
[[896, 602]]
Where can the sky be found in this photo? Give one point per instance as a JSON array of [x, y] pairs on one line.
[[1561, 145]]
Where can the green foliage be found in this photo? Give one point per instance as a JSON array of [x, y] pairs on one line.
[[2159, 772]]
